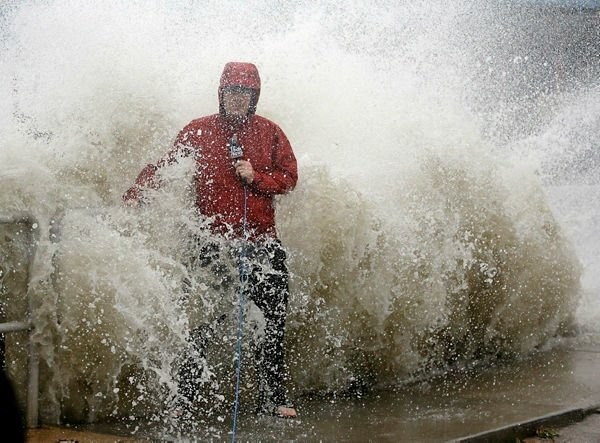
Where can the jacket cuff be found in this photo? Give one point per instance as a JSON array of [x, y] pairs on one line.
[[259, 179]]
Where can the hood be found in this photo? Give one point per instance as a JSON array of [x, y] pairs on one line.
[[243, 75]]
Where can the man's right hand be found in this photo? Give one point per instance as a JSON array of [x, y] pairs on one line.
[[244, 170]]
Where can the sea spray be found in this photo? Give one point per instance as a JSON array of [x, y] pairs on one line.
[[461, 272], [413, 244]]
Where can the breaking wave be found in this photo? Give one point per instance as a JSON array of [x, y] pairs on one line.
[[413, 244]]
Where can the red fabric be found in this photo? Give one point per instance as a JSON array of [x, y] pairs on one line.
[[145, 179], [240, 74], [219, 193]]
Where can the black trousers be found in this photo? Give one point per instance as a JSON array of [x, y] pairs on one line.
[[266, 285], [270, 292]]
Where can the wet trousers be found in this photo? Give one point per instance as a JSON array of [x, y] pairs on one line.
[[267, 287], [270, 292]]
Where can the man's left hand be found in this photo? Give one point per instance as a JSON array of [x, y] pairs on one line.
[[244, 170]]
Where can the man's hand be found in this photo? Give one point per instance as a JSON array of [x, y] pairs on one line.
[[244, 170], [133, 197]]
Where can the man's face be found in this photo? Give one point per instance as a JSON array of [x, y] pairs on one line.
[[236, 102]]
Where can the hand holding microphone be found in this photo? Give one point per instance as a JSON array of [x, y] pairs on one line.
[[243, 168]]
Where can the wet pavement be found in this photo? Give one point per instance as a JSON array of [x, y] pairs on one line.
[[66, 435], [554, 393], [578, 422], [586, 431], [569, 426]]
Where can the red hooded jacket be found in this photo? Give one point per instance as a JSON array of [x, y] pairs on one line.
[[219, 193]]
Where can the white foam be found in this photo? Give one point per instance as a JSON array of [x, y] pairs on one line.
[[412, 241]]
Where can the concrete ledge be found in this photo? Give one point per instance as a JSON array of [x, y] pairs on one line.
[[528, 428]]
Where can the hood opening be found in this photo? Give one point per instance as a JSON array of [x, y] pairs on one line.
[[240, 76]]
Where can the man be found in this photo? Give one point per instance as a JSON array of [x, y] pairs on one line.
[[242, 162]]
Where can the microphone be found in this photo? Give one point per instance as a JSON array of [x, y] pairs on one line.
[[236, 151]]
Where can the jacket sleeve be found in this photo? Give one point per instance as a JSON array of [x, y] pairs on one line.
[[145, 179], [148, 179], [283, 175]]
